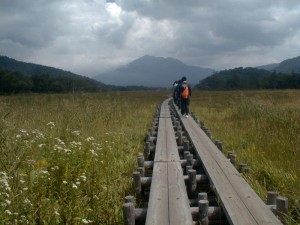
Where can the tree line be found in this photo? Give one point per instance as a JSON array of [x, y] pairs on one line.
[[16, 82], [250, 78]]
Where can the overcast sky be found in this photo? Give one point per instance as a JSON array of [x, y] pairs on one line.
[[90, 36]]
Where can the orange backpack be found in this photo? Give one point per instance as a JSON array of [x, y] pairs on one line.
[[185, 92]]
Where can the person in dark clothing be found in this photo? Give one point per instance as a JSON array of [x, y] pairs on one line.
[[174, 93], [185, 93], [178, 94]]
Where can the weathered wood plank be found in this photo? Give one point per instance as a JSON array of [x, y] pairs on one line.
[[168, 201], [179, 208], [241, 204], [158, 207], [166, 147]]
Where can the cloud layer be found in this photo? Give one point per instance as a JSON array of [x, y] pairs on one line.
[[91, 36]]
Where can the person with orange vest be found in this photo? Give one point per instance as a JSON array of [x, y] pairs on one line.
[[186, 93]]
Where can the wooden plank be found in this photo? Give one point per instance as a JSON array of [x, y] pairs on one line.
[[166, 147], [179, 208], [241, 204], [168, 201], [158, 206]]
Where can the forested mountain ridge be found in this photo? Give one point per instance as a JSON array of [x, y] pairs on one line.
[[291, 65], [249, 78], [17, 76], [25, 68]]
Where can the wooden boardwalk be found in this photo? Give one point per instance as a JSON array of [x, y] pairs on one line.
[[169, 203], [239, 201]]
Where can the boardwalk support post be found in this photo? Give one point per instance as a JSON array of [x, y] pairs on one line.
[[203, 212], [192, 180], [271, 197], [186, 144], [147, 149], [202, 196], [141, 170], [232, 157], [219, 145], [189, 160], [281, 207], [128, 213], [141, 161], [137, 184], [130, 198]]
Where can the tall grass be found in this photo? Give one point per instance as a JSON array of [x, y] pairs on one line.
[[263, 128], [68, 159]]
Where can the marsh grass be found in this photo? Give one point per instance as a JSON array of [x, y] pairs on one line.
[[263, 128], [68, 159]]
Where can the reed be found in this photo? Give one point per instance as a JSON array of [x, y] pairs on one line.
[[263, 128], [68, 159]]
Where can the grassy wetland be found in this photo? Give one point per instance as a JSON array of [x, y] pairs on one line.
[[68, 159], [263, 129]]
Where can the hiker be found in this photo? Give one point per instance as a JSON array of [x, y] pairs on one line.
[[185, 93], [178, 94], [174, 91]]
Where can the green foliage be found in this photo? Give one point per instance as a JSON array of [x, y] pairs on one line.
[[249, 78]]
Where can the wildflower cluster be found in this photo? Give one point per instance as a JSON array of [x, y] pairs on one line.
[[52, 179]]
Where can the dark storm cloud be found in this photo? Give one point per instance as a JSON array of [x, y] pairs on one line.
[[89, 36]]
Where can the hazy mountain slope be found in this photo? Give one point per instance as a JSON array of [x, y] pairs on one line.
[[269, 67], [289, 65], [154, 72]]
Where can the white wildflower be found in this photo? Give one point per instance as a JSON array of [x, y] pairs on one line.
[[89, 139], [61, 142], [65, 182], [77, 183], [56, 213], [83, 177], [4, 182], [44, 172], [58, 148], [7, 212], [18, 136], [27, 201], [67, 150], [74, 186], [76, 132], [51, 125], [85, 221], [93, 152], [41, 145], [8, 202], [55, 168]]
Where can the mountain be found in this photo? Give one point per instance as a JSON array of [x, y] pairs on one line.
[[289, 65], [154, 72], [269, 67], [286, 66], [238, 78], [31, 69]]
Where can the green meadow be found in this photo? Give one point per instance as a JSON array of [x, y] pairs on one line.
[[68, 158], [263, 129]]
